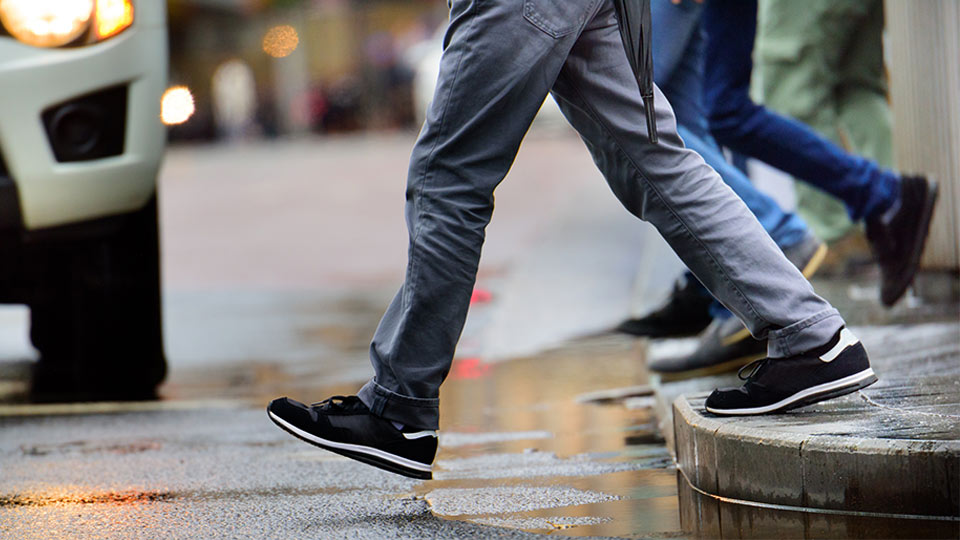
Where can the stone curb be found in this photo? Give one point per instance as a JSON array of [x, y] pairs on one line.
[[891, 476]]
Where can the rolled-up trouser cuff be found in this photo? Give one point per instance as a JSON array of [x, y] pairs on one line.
[[810, 333], [423, 413]]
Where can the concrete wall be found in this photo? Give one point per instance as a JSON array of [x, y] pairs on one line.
[[924, 62]]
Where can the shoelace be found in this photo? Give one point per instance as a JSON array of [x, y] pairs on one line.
[[336, 402], [752, 368]]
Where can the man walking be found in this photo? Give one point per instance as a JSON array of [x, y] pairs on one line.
[[501, 58]]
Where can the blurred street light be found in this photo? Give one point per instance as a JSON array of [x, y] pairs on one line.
[[176, 106], [280, 41]]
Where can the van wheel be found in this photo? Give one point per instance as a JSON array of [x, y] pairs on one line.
[[96, 315]]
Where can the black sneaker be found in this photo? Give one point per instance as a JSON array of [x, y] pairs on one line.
[[344, 425], [775, 385], [724, 346], [899, 235], [685, 313]]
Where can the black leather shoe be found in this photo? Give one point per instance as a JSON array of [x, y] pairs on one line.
[[780, 384], [899, 235], [344, 425], [685, 313]]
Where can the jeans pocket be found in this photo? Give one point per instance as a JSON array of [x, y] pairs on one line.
[[556, 18]]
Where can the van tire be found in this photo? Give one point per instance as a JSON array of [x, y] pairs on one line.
[[96, 315]]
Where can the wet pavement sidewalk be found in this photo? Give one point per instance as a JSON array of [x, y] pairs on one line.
[[518, 453]]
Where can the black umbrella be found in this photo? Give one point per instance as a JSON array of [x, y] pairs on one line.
[[635, 31]]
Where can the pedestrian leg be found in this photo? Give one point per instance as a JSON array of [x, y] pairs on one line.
[[501, 59], [708, 226]]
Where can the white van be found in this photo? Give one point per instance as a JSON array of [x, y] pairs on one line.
[[81, 143]]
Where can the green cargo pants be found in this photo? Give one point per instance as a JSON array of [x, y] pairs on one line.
[[821, 62]]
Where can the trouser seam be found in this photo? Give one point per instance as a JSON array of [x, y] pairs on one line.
[[588, 108], [426, 170]]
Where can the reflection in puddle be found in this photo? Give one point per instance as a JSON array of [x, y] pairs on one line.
[[509, 499], [453, 439], [534, 464], [559, 522], [541, 444]]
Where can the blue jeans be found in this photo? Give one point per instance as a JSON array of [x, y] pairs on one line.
[[678, 53], [742, 125]]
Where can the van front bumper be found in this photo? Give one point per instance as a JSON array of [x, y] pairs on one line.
[[51, 188]]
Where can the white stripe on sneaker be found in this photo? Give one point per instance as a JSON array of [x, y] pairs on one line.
[[846, 339], [368, 450], [851, 380], [420, 434]]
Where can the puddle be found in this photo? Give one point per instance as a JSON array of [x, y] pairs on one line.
[[545, 435], [455, 502], [543, 444], [454, 439], [534, 524]]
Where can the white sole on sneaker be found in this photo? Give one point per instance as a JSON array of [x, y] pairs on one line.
[[357, 448], [851, 381]]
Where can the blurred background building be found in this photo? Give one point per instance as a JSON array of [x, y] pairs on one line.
[[272, 67], [923, 52], [267, 68]]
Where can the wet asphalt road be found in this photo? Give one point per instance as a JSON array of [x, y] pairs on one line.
[[274, 284], [195, 468]]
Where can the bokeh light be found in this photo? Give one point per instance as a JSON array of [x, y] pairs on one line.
[[46, 23], [176, 106], [113, 16], [280, 41]]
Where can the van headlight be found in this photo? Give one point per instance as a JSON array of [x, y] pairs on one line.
[[55, 23]]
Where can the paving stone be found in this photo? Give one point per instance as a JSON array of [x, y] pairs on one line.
[[882, 475], [738, 521], [833, 526], [771, 471], [699, 514]]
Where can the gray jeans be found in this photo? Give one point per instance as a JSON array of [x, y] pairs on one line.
[[501, 58]]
